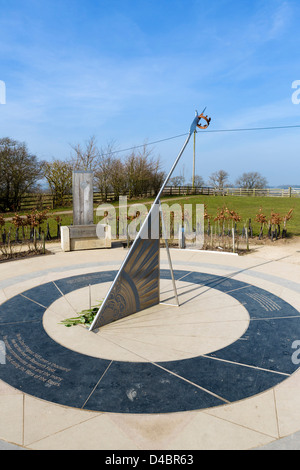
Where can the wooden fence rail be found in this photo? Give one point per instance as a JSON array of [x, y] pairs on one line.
[[42, 201]]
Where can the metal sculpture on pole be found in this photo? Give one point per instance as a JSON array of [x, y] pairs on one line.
[[136, 285]]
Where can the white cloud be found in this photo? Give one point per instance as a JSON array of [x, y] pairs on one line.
[[269, 22], [277, 113], [280, 20]]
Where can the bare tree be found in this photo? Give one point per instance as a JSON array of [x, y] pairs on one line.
[[85, 158], [158, 176], [177, 181], [59, 177], [219, 179], [118, 178], [143, 172], [251, 180], [199, 181], [105, 170], [20, 172], [136, 174], [136, 171]]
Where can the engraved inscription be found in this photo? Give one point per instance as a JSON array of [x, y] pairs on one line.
[[32, 364]]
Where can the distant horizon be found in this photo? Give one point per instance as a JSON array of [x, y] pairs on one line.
[[44, 186]]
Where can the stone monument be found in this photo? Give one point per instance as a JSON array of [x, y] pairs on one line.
[[83, 234], [83, 211]]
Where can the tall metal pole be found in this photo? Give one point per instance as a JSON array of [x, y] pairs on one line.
[[194, 161]]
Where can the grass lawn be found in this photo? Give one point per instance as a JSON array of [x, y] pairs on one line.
[[246, 207]]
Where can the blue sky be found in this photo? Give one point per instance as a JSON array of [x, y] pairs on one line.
[[135, 71]]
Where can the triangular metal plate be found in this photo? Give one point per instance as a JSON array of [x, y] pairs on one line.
[[136, 287]]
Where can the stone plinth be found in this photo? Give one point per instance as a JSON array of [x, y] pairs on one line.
[[85, 237]]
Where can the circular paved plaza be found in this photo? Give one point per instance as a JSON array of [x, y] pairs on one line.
[[218, 372]]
